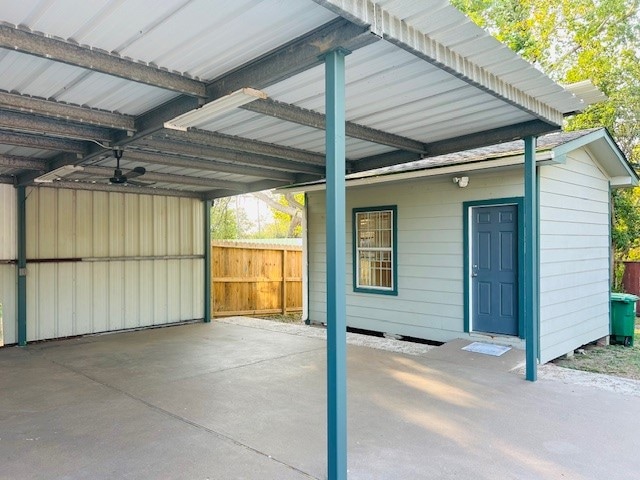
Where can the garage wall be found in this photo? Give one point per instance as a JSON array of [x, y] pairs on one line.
[[574, 255], [430, 300], [101, 261], [8, 253]]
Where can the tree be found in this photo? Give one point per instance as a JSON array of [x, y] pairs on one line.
[[287, 209], [228, 222], [575, 40]]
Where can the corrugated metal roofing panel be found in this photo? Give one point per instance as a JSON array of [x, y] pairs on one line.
[[268, 129], [26, 152], [39, 77], [199, 37], [450, 27], [396, 92]]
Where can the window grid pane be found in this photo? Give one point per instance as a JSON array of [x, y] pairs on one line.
[[375, 249]]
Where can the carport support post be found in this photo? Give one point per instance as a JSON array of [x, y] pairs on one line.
[[207, 260], [336, 266], [22, 266], [531, 312]]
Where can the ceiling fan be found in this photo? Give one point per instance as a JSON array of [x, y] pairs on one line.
[[120, 178]]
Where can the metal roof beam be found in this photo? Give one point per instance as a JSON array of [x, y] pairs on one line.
[[107, 187], [309, 118], [170, 178], [297, 56], [170, 145], [239, 144], [45, 143], [23, 163], [7, 179], [397, 31], [61, 51], [293, 58], [207, 165], [459, 144], [253, 187], [29, 123], [72, 113]]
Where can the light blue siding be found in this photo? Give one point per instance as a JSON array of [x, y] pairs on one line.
[[574, 256], [430, 297]]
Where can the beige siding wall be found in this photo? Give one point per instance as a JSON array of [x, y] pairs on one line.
[[141, 262], [430, 254], [8, 251], [574, 255]]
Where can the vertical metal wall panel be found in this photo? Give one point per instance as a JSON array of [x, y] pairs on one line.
[[100, 220], [116, 225], [173, 226], [197, 271], [197, 242], [66, 216], [146, 293], [131, 294], [97, 288], [186, 226], [8, 251], [99, 297], [65, 294], [145, 212], [159, 225], [8, 223], [160, 287], [84, 224], [8, 299], [86, 300], [131, 234]]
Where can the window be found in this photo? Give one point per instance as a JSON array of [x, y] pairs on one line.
[[374, 250]]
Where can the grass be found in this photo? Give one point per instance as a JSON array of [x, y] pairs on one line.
[[613, 359]]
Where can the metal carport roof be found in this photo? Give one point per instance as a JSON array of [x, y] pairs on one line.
[[79, 79]]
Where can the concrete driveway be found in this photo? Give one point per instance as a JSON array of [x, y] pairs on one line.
[[238, 401]]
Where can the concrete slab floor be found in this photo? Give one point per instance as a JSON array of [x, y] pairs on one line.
[[228, 401]]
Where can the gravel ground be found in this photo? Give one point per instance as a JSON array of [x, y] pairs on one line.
[[388, 344], [548, 371], [625, 386]]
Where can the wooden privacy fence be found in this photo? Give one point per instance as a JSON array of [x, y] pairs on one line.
[[248, 279]]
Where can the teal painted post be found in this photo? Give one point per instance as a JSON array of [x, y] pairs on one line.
[[207, 261], [336, 266], [531, 311], [22, 266]]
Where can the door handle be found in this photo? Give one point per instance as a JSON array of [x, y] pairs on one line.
[[474, 271]]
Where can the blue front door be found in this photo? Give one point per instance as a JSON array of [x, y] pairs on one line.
[[494, 269]]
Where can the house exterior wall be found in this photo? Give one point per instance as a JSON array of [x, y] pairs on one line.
[[103, 261], [430, 298], [574, 255], [8, 253]]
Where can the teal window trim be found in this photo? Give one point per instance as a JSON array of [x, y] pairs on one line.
[[394, 250], [466, 231]]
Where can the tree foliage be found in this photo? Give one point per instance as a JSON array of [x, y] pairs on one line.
[[575, 40], [228, 222], [287, 209]]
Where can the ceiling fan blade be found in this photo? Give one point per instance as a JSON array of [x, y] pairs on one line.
[[139, 184], [136, 172]]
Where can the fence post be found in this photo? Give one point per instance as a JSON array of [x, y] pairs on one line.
[[284, 281]]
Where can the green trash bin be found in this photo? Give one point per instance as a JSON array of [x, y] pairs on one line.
[[623, 318]]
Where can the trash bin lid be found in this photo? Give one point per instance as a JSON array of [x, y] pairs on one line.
[[624, 297]]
